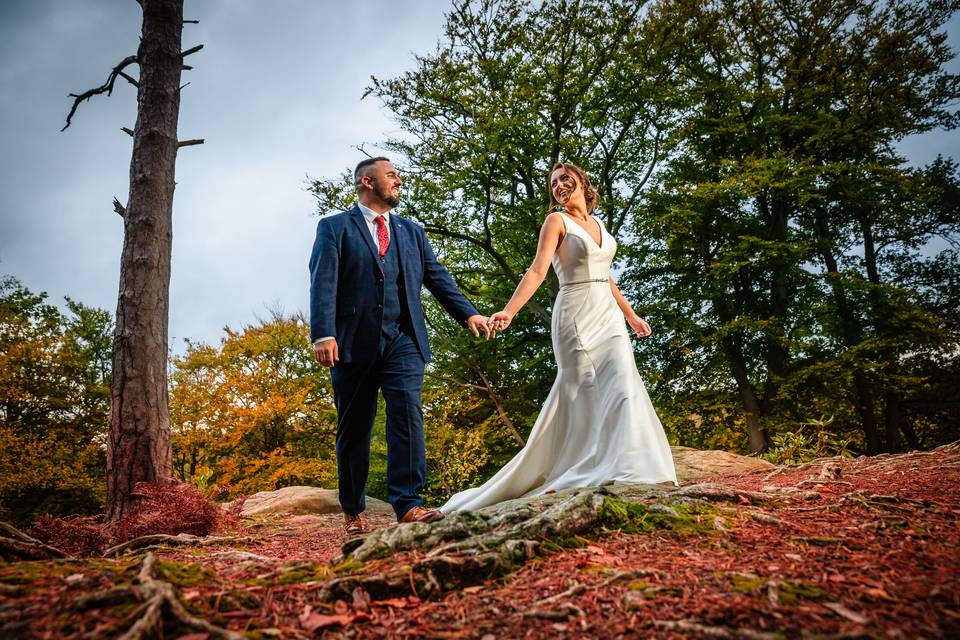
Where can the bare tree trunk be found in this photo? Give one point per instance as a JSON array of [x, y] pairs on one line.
[[139, 446], [758, 435]]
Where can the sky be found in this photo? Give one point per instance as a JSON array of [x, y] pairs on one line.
[[276, 94]]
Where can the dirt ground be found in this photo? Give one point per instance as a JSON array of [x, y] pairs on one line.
[[875, 555]]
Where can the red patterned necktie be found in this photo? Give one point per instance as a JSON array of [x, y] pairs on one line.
[[383, 238]]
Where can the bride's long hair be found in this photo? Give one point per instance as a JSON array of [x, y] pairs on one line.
[[590, 193]]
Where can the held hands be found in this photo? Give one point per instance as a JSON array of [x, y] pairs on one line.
[[500, 320], [479, 323], [639, 325]]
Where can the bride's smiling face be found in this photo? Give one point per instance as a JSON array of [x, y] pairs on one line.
[[563, 186]]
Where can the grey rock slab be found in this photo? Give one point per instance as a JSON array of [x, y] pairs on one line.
[[301, 500]]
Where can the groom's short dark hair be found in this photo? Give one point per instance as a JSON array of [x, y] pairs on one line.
[[362, 167]]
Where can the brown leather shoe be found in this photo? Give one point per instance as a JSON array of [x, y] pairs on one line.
[[422, 514], [355, 525]]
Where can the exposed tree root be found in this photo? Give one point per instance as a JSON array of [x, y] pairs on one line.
[[468, 548], [722, 633], [159, 605], [163, 539], [15, 545]]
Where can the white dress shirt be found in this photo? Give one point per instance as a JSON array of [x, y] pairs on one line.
[[370, 216]]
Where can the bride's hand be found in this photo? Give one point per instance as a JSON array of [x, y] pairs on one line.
[[500, 320], [639, 326]]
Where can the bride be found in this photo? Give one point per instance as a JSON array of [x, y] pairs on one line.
[[597, 425]]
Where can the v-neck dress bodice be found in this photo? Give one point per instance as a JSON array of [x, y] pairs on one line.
[[597, 425]]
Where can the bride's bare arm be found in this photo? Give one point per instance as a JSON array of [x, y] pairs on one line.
[[551, 233], [638, 324]]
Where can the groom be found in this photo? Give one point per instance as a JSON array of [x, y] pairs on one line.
[[367, 324]]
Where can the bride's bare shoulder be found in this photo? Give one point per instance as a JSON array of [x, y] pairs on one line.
[[554, 219]]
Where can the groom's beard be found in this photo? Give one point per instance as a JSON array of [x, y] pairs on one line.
[[387, 196]]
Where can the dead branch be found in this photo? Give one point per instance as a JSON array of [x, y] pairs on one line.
[[16, 545], [119, 208], [575, 590], [766, 518], [191, 51], [130, 79], [191, 22], [723, 633], [127, 131], [189, 143], [106, 87], [156, 539], [812, 482]]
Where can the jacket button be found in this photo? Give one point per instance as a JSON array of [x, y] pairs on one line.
[[379, 306]]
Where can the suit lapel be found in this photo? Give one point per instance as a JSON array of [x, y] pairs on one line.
[[361, 223]]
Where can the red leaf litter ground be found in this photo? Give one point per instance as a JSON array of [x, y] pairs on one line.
[[877, 555]]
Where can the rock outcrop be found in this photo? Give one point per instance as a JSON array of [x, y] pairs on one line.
[[301, 500], [693, 464]]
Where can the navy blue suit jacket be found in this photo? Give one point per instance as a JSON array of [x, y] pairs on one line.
[[346, 284]]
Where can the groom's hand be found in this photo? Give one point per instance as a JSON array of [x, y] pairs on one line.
[[478, 323], [327, 353]]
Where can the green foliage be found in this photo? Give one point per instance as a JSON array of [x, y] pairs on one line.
[[791, 263], [54, 404], [812, 440]]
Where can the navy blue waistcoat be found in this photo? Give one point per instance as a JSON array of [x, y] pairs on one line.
[[395, 315]]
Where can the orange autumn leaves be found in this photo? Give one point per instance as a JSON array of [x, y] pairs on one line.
[[254, 413]]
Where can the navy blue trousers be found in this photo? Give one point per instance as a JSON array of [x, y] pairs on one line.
[[398, 373]]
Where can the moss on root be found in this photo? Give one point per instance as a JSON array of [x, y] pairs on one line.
[[636, 517]]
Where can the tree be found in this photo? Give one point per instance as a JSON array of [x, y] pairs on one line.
[[255, 413], [139, 440], [787, 171], [54, 404]]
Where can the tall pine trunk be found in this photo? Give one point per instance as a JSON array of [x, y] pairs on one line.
[[139, 445]]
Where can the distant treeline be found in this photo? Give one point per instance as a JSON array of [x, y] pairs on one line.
[[802, 279]]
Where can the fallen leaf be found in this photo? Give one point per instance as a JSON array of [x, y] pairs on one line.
[[361, 599], [879, 594], [194, 636], [340, 607], [396, 603], [316, 621]]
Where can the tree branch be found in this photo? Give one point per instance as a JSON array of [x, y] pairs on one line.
[[106, 87], [130, 79], [127, 131], [119, 208], [189, 143], [191, 51]]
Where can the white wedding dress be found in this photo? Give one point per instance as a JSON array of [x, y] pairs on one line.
[[597, 425]]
